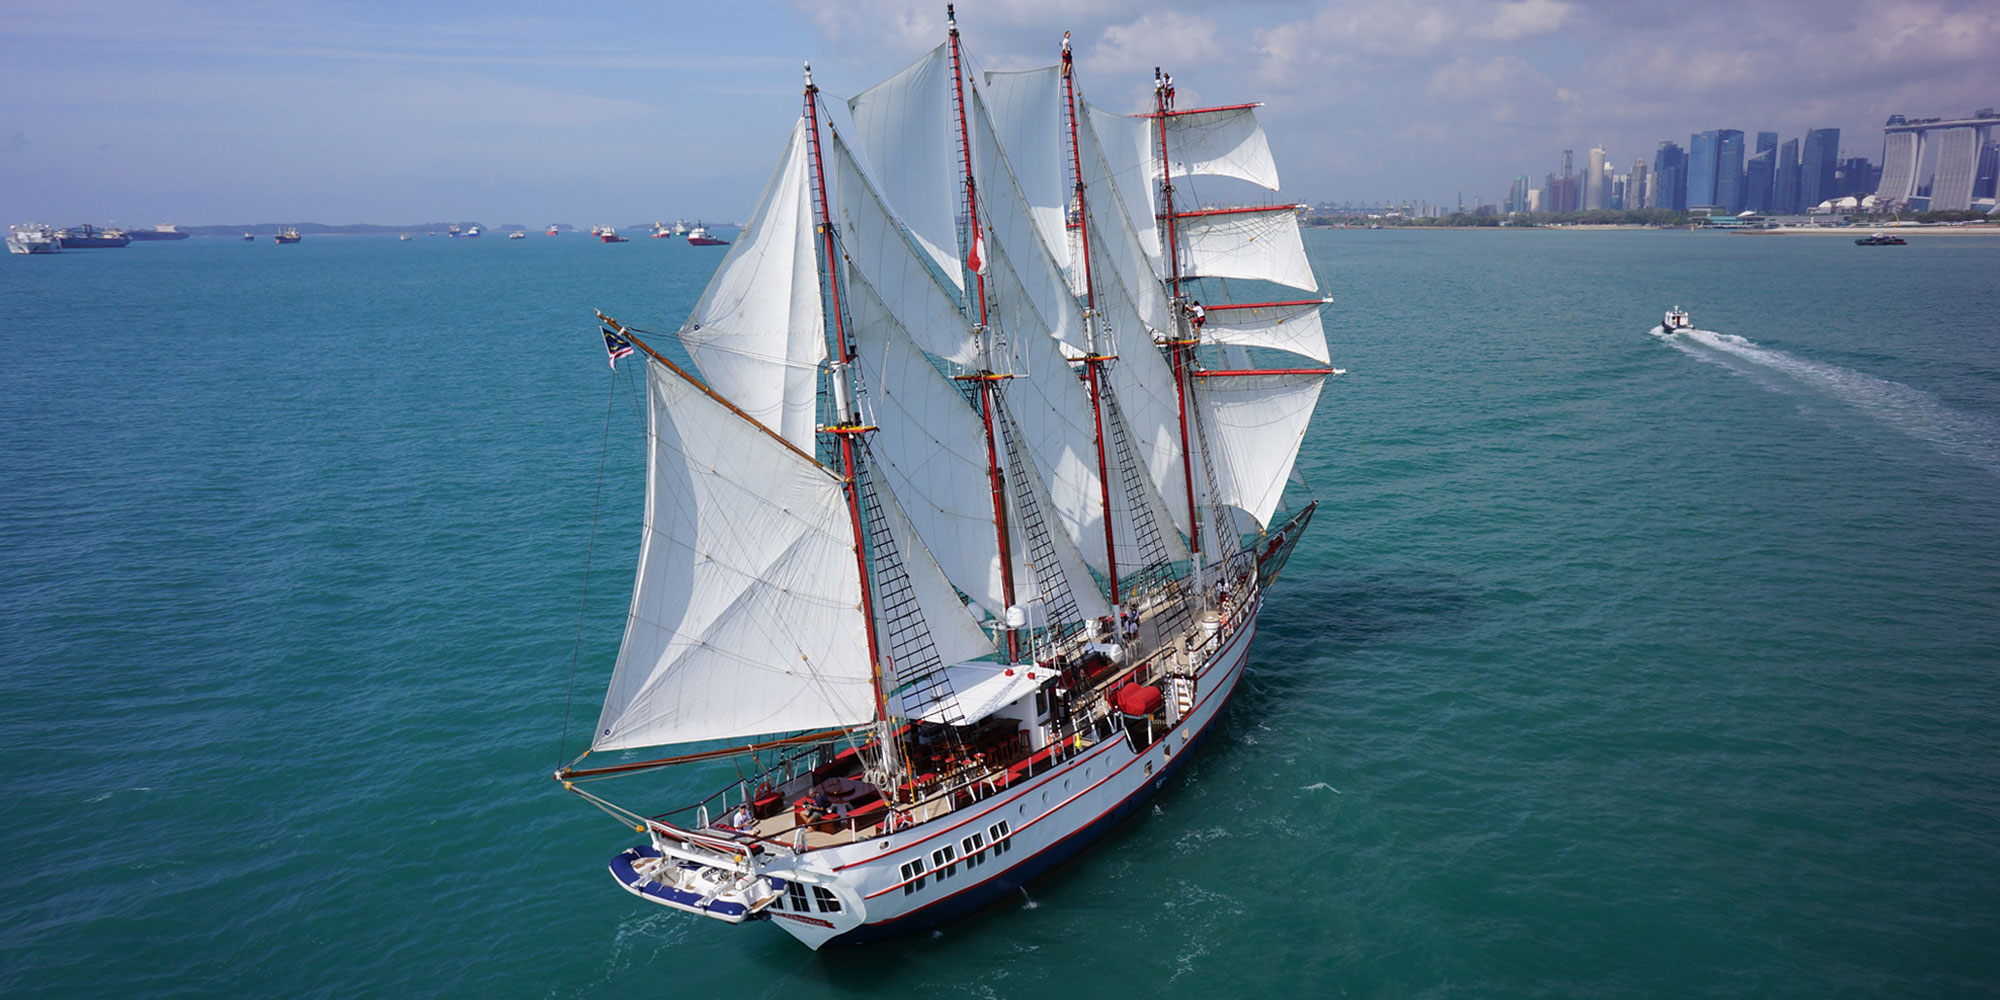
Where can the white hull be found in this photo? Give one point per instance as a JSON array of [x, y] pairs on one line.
[[32, 244], [1047, 818]]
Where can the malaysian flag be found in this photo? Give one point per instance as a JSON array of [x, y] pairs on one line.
[[615, 345]]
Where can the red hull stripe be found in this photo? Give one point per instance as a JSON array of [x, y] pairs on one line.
[[1237, 669], [996, 802]]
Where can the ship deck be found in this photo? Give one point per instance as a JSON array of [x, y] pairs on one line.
[[949, 777]]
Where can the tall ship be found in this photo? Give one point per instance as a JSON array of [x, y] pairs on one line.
[[33, 237], [957, 535], [89, 237], [161, 232]]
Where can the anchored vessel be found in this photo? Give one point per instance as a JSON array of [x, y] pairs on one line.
[[945, 370], [161, 232], [33, 237], [89, 237], [698, 236], [289, 234]]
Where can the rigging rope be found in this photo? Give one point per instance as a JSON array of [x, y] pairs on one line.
[[583, 602]]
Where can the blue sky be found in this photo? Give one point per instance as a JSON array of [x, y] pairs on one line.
[[331, 111]]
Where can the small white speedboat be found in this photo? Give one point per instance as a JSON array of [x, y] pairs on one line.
[[1676, 320]]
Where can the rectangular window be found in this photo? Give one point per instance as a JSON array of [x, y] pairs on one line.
[[795, 891], [828, 902], [975, 847], [1000, 844], [944, 862], [913, 876]]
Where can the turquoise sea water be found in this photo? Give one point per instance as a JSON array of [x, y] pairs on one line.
[[1614, 666]]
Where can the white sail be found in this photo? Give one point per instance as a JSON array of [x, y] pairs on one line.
[[1258, 243], [1130, 149], [912, 412], [1141, 377], [1293, 327], [1041, 582], [1224, 142], [941, 631], [1255, 424], [906, 129], [746, 614], [758, 333], [931, 449], [1008, 215], [874, 243], [1052, 408], [1027, 116], [1133, 303]]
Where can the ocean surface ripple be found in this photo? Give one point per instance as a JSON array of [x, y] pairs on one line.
[[1614, 665]]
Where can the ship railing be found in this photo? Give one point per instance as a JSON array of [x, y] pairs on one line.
[[1087, 719]]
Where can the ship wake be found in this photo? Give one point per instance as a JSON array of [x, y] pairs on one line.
[[1905, 409]]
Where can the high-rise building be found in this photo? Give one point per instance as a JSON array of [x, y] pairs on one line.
[[1957, 168], [1638, 192], [1669, 188], [1729, 169], [1987, 183], [1759, 172], [1816, 166], [1564, 195], [1855, 176], [1593, 180], [1701, 170], [1785, 185], [1565, 192]]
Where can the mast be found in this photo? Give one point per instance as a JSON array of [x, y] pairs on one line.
[[986, 379], [1095, 357], [847, 416], [1182, 344]]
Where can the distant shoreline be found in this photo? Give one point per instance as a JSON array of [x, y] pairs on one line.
[[1985, 229]]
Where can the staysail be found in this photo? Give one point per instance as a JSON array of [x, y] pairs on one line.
[[759, 331], [904, 127]]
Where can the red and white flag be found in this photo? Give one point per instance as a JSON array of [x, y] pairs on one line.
[[975, 259]]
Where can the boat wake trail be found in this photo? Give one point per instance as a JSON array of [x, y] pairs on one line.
[[1911, 411]]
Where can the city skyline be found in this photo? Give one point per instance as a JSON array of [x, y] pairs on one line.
[[203, 111]]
